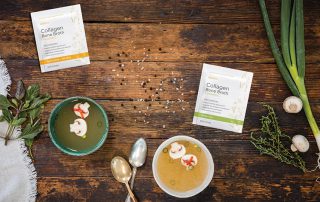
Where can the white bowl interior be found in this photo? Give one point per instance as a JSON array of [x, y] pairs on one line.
[[192, 192]]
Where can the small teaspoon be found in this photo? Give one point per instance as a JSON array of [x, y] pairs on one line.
[[137, 158], [121, 171]]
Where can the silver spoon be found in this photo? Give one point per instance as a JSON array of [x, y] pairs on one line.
[[137, 158], [122, 172]]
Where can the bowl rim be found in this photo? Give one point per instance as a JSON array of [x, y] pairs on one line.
[[85, 152], [194, 191]]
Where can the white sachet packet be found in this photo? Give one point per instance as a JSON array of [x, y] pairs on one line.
[[60, 37], [222, 98]]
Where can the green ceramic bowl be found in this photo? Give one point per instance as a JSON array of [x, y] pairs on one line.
[[59, 144]]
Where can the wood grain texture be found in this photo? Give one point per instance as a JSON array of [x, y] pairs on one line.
[[233, 154], [102, 188], [233, 159], [139, 47], [108, 80], [153, 11], [166, 42]]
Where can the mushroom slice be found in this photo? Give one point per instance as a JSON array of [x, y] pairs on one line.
[[177, 150], [79, 127], [189, 160], [81, 110]]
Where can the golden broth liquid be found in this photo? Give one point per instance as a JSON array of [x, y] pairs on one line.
[[175, 176], [95, 123]]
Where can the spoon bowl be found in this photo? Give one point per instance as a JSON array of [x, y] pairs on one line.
[[121, 170], [138, 153], [137, 158]]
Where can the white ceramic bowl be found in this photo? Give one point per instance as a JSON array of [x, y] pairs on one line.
[[194, 191]]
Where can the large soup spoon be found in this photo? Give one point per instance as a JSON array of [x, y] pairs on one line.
[[121, 171], [137, 158]]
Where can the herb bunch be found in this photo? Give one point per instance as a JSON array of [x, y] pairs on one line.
[[23, 111], [291, 59], [272, 141]]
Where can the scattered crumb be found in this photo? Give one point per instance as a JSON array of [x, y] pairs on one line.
[[152, 89]]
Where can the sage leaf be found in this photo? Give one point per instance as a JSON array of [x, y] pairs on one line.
[[7, 115], [26, 130], [15, 102], [34, 113], [21, 90], [23, 114], [18, 122], [39, 101], [30, 135], [28, 142], [33, 91], [33, 132], [24, 110], [4, 102], [26, 104]]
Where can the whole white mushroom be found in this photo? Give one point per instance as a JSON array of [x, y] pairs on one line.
[[292, 104], [300, 143]]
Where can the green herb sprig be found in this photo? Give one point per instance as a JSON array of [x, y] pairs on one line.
[[24, 110], [291, 61], [272, 141]]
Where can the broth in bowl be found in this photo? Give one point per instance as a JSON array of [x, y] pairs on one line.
[[78, 126], [66, 117], [182, 178], [182, 166]]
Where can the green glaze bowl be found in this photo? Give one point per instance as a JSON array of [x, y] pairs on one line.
[[60, 143]]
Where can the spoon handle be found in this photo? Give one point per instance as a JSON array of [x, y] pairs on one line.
[[134, 172], [131, 193]]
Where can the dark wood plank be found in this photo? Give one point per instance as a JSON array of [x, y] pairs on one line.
[[212, 11], [233, 154], [167, 42], [105, 80], [226, 33], [146, 189], [125, 117], [233, 159]]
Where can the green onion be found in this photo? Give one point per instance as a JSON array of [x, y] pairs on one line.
[[285, 15], [291, 62]]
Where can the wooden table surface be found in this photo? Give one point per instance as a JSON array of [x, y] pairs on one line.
[[151, 42]]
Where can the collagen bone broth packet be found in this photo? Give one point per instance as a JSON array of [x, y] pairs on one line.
[[222, 98], [60, 37]]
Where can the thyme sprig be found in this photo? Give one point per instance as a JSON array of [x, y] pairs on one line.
[[272, 141]]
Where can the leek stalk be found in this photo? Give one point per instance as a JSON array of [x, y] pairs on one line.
[[291, 62]]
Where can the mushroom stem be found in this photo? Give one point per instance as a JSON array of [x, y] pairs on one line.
[[293, 148]]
